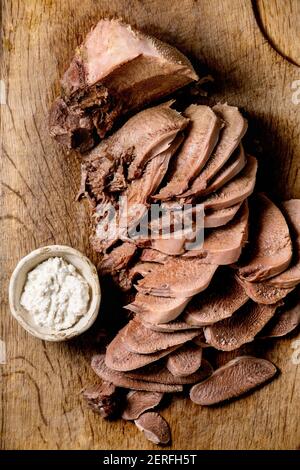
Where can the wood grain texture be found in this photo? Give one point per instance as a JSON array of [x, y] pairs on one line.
[[40, 383]]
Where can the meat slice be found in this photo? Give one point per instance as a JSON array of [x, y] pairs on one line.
[[270, 249], [291, 276], [141, 340], [154, 427], [116, 70], [137, 402], [156, 309], [220, 300], [197, 147], [119, 358], [153, 256], [185, 361], [103, 399], [144, 136], [231, 168], [237, 377], [121, 380], [237, 190], [223, 245], [117, 259], [158, 373], [285, 320], [172, 326], [230, 137], [219, 217], [264, 293], [241, 328], [178, 277]]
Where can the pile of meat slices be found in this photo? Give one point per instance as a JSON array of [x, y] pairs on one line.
[[236, 287]]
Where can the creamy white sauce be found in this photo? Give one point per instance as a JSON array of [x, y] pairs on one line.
[[55, 294]]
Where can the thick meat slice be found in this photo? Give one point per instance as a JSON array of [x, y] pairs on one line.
[[121, 380], [237, 190], [158, 373], [117, 259], [156, 309], [141, 340], [223, 245], [143, 137], [230, 137], [103, 398], [178, 278], [137, 402], [237, 377], [231, 168], [264, 293], [185, 360], [219, 217], [119, 358], [291, 276], [241, 328], [154, 427], [285, 320], [117, 69], [270, 249], [175, 325], [220, 300], [196, 149]]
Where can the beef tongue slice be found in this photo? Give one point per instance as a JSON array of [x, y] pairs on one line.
[[264, 293], [220, 300], [270, 249], [241, 328], [117, 69], [291, 276], [196, 149], [230, 137], [219, 217], [178, 277]]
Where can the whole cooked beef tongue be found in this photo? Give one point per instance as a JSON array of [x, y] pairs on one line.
[[195, 151], [119, 358], [156, 309], [291, 276], [116, 70], [185, 360], [220, 300], [236, 190], [269, 250], [121, 380], [237, 377], [264, 293], [223, 245], [241, 328], [178, 277], [137, 402], [158, 373], [230, 137], [141, 340], [144, 136]]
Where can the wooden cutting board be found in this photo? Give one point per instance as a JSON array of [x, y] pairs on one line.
[[252, 52]]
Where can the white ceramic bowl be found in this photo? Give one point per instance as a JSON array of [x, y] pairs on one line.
[[19, 276]]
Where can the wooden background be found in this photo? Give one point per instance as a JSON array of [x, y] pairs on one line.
[[252, 50]]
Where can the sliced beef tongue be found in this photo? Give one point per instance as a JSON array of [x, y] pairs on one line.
[[219, 217], [285, 320], [185, 361], [108, 78], [196, 149], [291, 276], [220, 300], [139, 339], [176, 325], [117, 259], [264, 293], [157, 310], [178, 277], [223, 245], [231, 135], [144, 136], [270, 248], [241, 328], [137, 402]]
